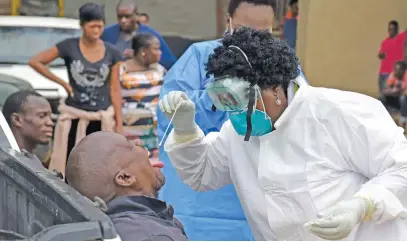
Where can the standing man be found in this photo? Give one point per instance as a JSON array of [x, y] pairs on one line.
[[144, 18], [391, 51], [120, 34], [29, 117], [214, 215], [290, 25]]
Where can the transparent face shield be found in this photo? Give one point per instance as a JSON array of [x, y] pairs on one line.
[[229, 94], [234, 95]]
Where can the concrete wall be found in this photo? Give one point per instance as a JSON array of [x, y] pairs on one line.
[[338, 40], [196, 19], [5, 7], [191, 18], [72, 6]]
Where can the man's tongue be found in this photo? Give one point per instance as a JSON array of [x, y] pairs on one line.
[[157, 164]]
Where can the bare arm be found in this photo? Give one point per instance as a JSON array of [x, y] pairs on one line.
[[382, 52], [40, 61], [116, 96]]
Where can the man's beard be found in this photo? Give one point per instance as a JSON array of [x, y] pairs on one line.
[[159, 185], [130, 30]]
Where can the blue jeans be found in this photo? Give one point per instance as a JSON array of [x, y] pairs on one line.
[[382, 82], [394, 103], [403, 109]]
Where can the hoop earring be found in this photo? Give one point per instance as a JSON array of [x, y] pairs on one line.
[[278, 101]]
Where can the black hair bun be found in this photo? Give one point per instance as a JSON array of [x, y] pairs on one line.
[[274, 62]]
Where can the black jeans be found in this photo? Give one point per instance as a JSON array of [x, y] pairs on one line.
[[94, 126], [398, 103]]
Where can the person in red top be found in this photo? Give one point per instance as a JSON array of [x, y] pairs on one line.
[[395, 92], [290, 25], [391, 51]]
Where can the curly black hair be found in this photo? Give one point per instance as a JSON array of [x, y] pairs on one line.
[[273, 62]]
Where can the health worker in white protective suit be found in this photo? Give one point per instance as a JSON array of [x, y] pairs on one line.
[[322, 164]]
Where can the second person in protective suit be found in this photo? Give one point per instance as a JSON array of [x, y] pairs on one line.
[[320, 163]]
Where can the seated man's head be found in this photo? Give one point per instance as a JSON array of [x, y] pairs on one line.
[[399, 69], [29, 117], [107, 165]]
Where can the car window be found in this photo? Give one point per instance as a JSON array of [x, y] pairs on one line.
[[3, 139], [10, 85], [6, 89], [18, 44], [7, 139]]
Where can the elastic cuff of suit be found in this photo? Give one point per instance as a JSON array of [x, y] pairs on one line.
[[369, 209]]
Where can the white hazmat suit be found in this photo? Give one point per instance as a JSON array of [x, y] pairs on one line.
[[328, 146]]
